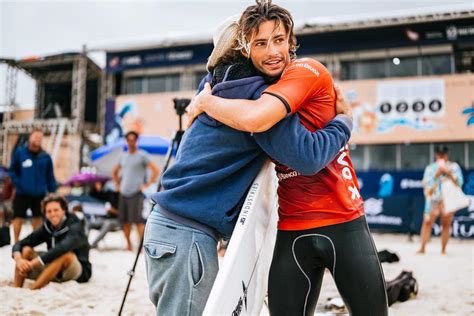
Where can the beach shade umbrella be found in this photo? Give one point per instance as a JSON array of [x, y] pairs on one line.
[[85, 178], [106, 157]]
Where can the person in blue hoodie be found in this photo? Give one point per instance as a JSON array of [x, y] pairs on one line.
[[205, 187], [32, 174]]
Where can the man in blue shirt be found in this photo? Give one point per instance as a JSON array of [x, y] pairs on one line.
[[32, 174]]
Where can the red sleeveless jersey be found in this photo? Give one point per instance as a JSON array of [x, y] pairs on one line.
[[332, 195]]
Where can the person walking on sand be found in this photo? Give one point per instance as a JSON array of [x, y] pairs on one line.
[[433, 177]]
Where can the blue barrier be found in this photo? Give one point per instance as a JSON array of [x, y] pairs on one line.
[[394, 201], [404, 214]]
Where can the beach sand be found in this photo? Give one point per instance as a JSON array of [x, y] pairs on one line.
[[446, 283]]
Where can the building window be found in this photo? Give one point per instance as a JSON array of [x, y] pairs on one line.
[[152, 84], [163, 83], [470, 152], [383, 157], [436, 64], [197, 77], [134, 85], [464, 57], [396, 67], [368, 69], [414, 156], [348, 70], [364, 69], [156, 84], [456, 153], [357, 156], [404, 66]]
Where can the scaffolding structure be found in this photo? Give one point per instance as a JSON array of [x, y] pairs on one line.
[[74, 69], [10, 100]]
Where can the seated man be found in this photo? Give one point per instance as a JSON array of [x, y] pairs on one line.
[[67, 257], [7, 192], [108, 222]]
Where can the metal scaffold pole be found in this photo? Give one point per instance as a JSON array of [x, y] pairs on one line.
[[10, 105]]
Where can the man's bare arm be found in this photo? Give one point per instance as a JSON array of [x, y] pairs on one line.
[[115, 176], [154, 174], [245, 115]]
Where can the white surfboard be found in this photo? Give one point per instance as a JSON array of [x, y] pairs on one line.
[[241, 284]]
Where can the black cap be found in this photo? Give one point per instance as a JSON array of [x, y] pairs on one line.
[[441, 149]]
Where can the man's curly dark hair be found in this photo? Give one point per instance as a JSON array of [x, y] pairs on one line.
[[265, 10]]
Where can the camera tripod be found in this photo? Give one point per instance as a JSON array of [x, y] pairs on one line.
[[180, 106]]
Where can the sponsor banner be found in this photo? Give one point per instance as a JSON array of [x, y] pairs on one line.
[[385, 184], [404, 102], [109, 117], [406, 35], [160, 57], [394, 201], [412, 110], [396, 183], [385, 111], [147, 114], [404, 214], [397, 213], [452, 32], [383, 37]]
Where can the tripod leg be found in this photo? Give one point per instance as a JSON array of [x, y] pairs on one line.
[[175, 142], [131, 273]]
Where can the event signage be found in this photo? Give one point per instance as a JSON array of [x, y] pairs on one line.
[[410, 103], [433, 109], [394, 201], [404, 214], [385, 36], [159, 57], [398, 183], [147, 114]]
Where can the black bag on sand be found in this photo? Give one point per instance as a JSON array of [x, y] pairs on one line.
[[402, 288], [4, 236], [387, 256], [409, 289]]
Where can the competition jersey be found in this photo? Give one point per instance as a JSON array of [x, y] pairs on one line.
[[332, 195]]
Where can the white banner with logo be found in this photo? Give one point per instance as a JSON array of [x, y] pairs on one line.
[[410, 103]]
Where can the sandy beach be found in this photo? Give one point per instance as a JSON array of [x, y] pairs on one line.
[[446, 283]]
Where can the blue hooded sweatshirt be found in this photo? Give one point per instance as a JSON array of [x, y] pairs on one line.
[[32, 173], [216, 164]]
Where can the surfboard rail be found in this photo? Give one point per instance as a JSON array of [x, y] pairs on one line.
[[241, 284]]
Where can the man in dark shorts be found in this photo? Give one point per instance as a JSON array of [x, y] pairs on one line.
[[205, 187], [67, 257], [321, 216], [32, 174], [131, 184]]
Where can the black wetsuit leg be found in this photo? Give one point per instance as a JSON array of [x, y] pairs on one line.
[[294, 285], [347, 250]]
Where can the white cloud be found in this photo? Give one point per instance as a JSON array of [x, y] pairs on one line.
[[46, 27]]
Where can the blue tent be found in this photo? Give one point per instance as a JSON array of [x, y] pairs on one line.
[[106, 157]]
